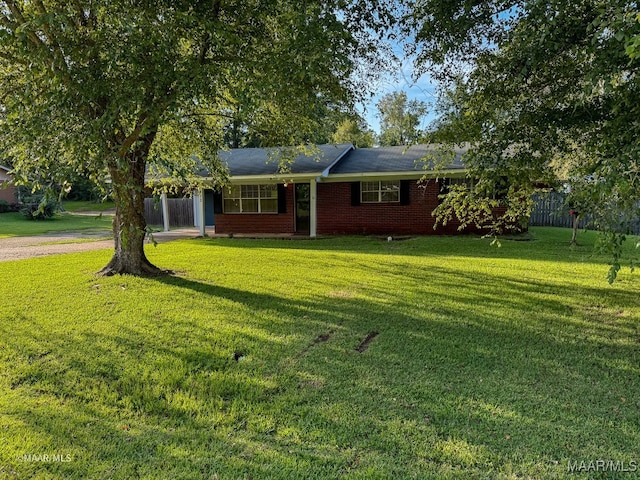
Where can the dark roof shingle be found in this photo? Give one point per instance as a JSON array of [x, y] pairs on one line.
[[392, 159], [264, 161]]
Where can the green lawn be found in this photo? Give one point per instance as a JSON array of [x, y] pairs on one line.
[[14, 224], [87, 206], [483, 362]]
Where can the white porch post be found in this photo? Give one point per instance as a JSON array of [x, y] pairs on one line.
[[313, 207], [165, 211], [201, 220], [196, 205]]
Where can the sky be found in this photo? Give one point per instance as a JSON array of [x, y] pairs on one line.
[[423, 89]]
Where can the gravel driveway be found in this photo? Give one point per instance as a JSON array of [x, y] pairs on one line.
[[19, 248]]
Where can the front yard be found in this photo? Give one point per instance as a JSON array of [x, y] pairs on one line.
[[15, 225], [336, 358]]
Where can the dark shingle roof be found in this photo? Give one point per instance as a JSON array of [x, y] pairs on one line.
[[261, 161], [392, 159], [337, 159]]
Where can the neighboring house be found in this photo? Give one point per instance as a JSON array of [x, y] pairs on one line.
[[8, 191], [342, 190]]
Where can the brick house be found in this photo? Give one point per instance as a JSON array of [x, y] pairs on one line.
[[341, 190], [8, 192]]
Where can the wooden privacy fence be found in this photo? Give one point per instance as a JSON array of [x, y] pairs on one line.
[[180, 212], [550, 210]]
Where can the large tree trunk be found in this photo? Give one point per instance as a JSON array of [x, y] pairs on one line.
[[129, 225]]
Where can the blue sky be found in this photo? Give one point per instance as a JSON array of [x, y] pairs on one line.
[[423, 89]]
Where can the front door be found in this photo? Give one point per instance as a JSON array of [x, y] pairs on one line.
[[303, 208], [209, 218]]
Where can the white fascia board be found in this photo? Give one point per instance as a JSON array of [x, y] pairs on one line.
[[247, 179], [283, 178]]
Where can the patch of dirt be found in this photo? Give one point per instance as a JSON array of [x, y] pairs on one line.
[[319, 339], [366, 342], [322, 338], [20, 248]]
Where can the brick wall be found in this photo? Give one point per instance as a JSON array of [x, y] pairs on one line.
[[7, 191], [259, 222], [336, 215]]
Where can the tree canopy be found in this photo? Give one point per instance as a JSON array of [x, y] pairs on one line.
[[353, 129], [400, 119], [545, 92], [118, 89], [245, 126]]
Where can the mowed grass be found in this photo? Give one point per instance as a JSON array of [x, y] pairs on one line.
[[506, 363], [15, 225], [87, 206]]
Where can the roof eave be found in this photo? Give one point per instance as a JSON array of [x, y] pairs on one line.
[[410, 174], [271, 178]]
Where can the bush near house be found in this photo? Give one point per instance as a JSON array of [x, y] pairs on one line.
[[38, 207]]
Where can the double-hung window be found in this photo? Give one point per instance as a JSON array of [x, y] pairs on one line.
[[251, 199], [383, 191]]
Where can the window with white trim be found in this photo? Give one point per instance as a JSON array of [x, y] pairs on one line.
[[383, 191], [251, 199]]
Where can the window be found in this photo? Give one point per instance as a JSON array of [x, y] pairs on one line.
[[251, 199], [446, 183], [380, 192]]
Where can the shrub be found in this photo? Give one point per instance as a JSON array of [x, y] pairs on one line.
[[4, 206], [39, 208]]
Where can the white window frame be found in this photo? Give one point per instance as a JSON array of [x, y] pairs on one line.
[[379, 190], [226, 195]]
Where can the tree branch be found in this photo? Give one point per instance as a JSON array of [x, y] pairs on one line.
[[80, 12], [206, 41], [7, 23], [58, 54], [133, 136], [17, 13]]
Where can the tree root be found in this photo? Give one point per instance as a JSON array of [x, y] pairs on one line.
[[144, 269]]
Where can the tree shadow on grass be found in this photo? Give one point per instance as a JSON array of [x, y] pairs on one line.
[[544, 383], [448, 387], [543, 247]]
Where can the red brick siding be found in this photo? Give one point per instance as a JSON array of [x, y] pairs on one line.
[[258, 222], [8, 192], [336, 215]]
